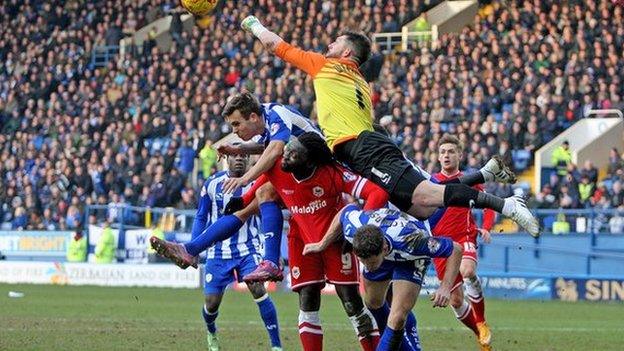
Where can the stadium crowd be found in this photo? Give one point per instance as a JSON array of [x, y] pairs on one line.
[[129, 132]]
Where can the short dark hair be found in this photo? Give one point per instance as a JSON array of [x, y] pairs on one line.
[[318, 152], [368, 241], [451, 139], [245, 103], [361, 46]]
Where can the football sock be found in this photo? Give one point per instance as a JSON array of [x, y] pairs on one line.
[[390, 340], [411, 340], [269, 316], [472, 178], [381, 315], [271, 225], [210, 318], [461, 195], [475, 296], [220, 230], [465, 315], [366, 329], [310, 331]]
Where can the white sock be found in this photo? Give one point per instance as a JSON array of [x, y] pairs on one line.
[[461, 311], [473, 287], [508, 207], [364, 323]]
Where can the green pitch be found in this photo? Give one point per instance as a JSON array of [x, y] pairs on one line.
[[95, 318]]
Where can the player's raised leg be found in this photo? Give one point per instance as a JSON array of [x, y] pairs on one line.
[[428, 196], [271, 226], [184, 255]]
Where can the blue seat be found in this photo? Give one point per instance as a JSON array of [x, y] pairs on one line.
[[521, 159]]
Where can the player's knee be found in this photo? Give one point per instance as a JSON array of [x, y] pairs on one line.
[[211, 303], [374, 302], [310, 298], [428, 194], [257, 290], [467, 271], [266, 193], [397, 318]]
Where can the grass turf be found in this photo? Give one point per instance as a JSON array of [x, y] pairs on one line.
[[96, 318]]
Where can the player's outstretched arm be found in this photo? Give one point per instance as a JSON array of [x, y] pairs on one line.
[[265, 162], [248, 148], [442, 296], [334, 232], [307, 61], [270, 40]]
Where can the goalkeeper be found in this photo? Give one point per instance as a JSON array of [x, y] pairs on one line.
[[345, 117]]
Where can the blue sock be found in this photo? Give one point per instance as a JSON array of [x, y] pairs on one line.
[[411, 341], [210, 318], [220, 230], [269, 316], [381, 315], [390, 339], [271, 226]]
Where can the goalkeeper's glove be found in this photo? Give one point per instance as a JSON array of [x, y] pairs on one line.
[[236, 204], [251, 24]]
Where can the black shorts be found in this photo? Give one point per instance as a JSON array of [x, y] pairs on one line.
[[376, 157]]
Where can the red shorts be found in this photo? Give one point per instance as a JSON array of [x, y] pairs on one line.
[[469, 244], [330, 265]]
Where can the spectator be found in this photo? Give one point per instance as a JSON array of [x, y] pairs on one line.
[[77, 248], [586, 190], [208, 158], [561, 157], [590, 172], [105, 247], [186, 157], [616, 198]]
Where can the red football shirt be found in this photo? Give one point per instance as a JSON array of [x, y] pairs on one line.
[[313, 202], [458, 222]]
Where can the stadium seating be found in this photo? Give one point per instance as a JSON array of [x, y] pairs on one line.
[[73, 134]]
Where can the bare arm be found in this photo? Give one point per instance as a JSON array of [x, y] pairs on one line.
[[334, 232], [248, 148], [266, 161], [442, 296]]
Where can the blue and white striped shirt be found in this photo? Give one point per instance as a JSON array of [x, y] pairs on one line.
[[282, 122], [409, 239], [212, 202]]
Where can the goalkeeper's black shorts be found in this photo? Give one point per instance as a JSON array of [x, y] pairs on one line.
[[376, 157]]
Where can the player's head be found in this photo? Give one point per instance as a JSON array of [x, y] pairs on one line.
[[450, 150], [350, 45], [308, 150], [244, 113], [237, 164], [370, 246]]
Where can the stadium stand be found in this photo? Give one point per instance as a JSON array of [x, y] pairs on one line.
[[128, 132]]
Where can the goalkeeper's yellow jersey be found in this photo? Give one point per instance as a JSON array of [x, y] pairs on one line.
[[343, 98]]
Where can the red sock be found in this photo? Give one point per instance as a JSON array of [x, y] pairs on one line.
[[478, 307], [465, 315], [311, 336], [369, 342]]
